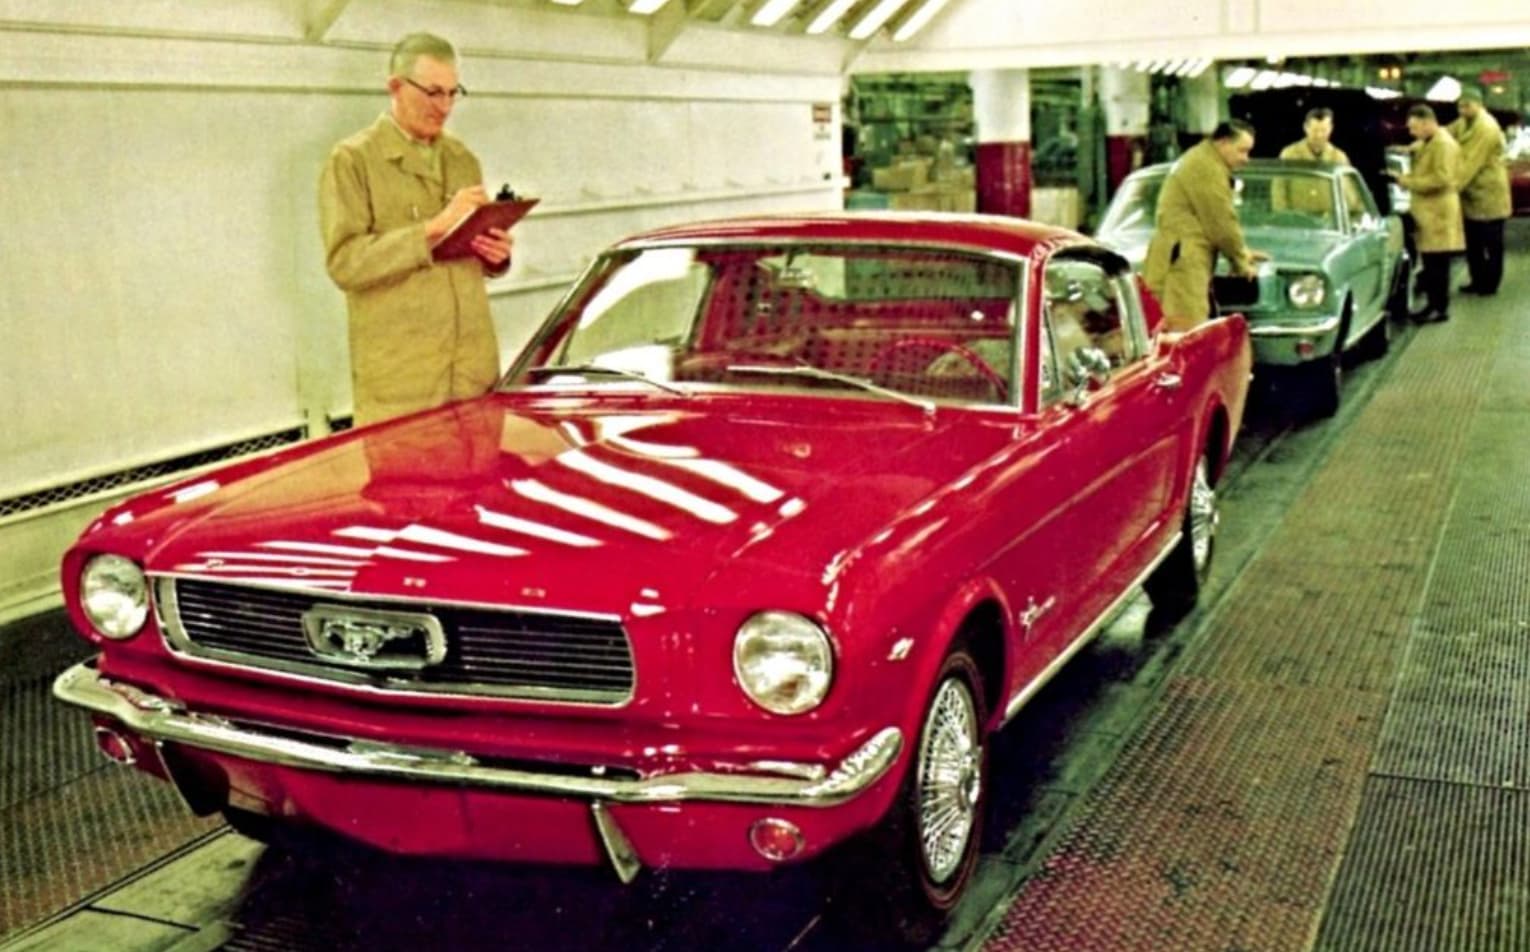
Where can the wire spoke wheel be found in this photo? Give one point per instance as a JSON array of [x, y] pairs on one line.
[[950, 779], [1203, 519]]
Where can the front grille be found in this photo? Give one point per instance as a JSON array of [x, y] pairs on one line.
[[507, 653], [1231, 291]]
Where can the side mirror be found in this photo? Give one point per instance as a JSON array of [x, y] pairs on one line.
[[1088, 371]]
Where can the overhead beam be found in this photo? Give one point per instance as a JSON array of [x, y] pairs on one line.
[[319, 16], [664, 28], [712, 10]]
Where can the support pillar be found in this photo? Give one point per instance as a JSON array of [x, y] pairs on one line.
[[1001, 106], [1125, 95], [1204, 103]]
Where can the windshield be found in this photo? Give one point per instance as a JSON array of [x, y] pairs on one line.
[[881, 322], [1268, 197]]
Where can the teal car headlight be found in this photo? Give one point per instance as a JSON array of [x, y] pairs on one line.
[[1306, 291], [783, 661], [115, 596]]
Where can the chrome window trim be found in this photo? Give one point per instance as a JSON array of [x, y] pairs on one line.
[[373, 683], [595, 267]]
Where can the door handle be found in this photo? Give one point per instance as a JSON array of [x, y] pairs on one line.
[[1168, 381]]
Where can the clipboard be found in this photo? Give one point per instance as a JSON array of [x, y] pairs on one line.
[[458, 241]]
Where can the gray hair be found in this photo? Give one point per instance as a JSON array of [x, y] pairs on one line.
[[409, 50]]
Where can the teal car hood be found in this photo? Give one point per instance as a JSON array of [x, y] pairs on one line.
[[1299, 248]]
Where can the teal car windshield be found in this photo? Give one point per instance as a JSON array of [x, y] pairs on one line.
[[1266, 197]]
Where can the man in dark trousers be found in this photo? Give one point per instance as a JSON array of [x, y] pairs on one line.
[[1435, 206], [1483, 181]]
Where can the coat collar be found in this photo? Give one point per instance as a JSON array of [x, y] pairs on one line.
[[397, 147]]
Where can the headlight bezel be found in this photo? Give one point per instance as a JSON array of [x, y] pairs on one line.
[[1307, 290], [114, 596], [804, 666]]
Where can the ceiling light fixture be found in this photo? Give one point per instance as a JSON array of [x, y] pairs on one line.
[[568, 3], [771, 12], [645, 7], [1445, 89], [917, 20], [829, 16], [868, 25], [1240, 77]]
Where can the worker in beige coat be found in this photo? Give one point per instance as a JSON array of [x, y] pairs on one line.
[[1315, 144], [1435, 207], [420, 331], [1196, 221], [1483, 181]]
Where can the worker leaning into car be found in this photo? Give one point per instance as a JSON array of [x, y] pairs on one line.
[[1483, 181], [1196, 221], [420, 330]]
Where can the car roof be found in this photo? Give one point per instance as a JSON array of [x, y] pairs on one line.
[[975, 232], [1256, 165]]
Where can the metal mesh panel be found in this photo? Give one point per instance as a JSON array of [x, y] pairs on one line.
[[97, 485]]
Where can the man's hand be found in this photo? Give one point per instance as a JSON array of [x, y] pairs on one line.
[[1250, 269], [461, 205], [493, 247]]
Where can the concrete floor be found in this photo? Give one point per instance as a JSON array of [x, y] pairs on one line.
[[1332, 752]]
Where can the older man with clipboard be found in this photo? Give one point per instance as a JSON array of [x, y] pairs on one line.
[[389, 197]]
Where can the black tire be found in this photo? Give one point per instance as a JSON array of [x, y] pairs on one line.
[[1323, 383], [1176, 585], [1377, 341], [1400, 302], [901, 881]]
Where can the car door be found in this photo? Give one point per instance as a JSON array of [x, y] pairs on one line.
[[1367, 256], [1123, 436]]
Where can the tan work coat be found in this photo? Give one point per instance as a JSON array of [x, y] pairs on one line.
[[1483, 178], [1196, 220], [420, 332], [1434, 204], [1299, 152]]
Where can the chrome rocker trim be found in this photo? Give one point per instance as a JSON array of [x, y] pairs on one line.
[[164, 720]]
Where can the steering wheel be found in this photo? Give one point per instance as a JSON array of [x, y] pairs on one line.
[[885, 356]]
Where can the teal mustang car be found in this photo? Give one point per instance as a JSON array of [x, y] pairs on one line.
[[1337, 266]]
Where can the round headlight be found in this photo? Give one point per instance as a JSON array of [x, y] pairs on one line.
[[783, 661], [1306, 290], [115, 595]]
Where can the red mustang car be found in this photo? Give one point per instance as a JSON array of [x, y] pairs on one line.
[[769, 528]]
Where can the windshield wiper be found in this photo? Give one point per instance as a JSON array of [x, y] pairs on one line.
[[549, 370], [818, 373]]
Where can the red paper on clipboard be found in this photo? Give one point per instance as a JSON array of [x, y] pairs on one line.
[[458, 242]]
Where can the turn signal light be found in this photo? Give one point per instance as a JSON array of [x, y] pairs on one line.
[[1305, 348], [776, 840]]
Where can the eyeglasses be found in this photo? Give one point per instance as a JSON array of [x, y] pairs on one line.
[[438, 95]]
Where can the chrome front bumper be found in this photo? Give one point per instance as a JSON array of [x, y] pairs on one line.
[[167, 721], [1309, 329]]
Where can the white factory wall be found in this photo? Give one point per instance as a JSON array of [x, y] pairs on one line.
[[164, 290]]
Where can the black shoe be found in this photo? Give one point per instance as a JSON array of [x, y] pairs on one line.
[[1472, 289], [1428, 317]]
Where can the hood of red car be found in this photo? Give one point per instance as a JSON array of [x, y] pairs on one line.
[[572, 503]]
